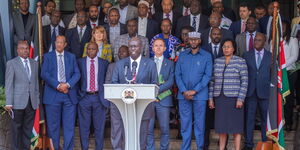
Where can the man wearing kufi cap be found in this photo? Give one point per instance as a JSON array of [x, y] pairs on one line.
[[193, 73]]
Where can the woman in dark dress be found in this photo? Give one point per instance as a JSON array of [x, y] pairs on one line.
[[227, 91]]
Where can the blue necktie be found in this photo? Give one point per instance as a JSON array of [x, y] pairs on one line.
[[61, 69], [194, 23], [27, 68], [258, 60], [53, 38]]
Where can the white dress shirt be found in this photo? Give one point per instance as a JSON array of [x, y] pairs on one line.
[[123, 14], [248, 39], [57, 60], [170, 16], [28, 64], [213, 48], [46, 21], [142, 26], [197, 21], [88, 65], [158, 66], [291, 52], [56, 32], [138, 60], [261, 55], [83, 30], [91, 23]]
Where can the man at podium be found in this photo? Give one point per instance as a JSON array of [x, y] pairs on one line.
[[140, 70]]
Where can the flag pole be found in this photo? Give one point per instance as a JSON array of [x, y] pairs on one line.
[[275, 13], [40, 31]]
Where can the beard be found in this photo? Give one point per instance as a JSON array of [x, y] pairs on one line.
[[194, 46]]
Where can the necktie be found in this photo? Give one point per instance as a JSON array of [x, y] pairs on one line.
[[157, 61], [92, 77], [258, 60], [186, 13], [243, 27], [134, 63], [215, 51], [94, 25], [61, 69], [168, 16], [251, 42], [194, 22], [53, 38], [80, 34], [27, 68]]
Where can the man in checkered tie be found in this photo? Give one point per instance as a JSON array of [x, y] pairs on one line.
[[92, 105], [61, 74]]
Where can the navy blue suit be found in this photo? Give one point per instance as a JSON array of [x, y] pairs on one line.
[[162, 108], [226, 34], [257, 93], [74, 45], [235, 27], [59, 106], [209, 48], [92, 106], [147, 74]]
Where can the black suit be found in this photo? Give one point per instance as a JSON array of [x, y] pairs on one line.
[[47, 36], [74, 45], [210, 49], [158, 16], [226, 34], [152, 28], [123, 29], [186, 21], [228, 12]]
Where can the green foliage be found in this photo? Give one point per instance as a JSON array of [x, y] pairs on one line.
[[2, 100]]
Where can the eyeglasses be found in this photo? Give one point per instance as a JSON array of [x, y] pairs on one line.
[[224, 47]]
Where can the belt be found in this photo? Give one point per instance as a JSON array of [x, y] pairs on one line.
[[92, 93]]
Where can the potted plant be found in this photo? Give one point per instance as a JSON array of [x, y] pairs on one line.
[[5, 120]]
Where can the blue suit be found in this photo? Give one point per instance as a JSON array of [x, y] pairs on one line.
[[92, 106], [147, 74], [59, 106], [258, 93], [193, 72], [235, 27], [209, 48], [162, 108]]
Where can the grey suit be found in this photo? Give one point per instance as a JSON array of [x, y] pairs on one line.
[[124, 39], [21, 32], [23, 94], [131, 12]]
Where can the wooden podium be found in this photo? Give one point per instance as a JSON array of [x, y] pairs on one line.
[[131, 100]]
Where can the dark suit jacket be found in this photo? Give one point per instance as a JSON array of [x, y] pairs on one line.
[[209, 48], [226, 34], [186, 21], [152, 28], [236, 28], [259, 79], [228, 12], [102, 67], [21, 32], [49, 75], [123, 29], [74, 45], [263, 24], [167, 71], [47, 36], [158, 16]]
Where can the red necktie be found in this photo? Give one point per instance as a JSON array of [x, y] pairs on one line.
[[92, 77], [243, 26], [251, 42], [94, 25]]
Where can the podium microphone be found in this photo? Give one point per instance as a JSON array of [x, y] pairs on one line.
[[126, 66]]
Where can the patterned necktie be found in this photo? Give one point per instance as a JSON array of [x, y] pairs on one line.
[[80, 34], [215, 51], [61, 69], [53, 38], [194, 22], [92, 77], [27, 68], [134, 63], [243, 26], [168, 16], [258, 60], [251, 42]]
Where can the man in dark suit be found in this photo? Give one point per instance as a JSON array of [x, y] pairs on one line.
[[196, 20], [227, 12], [61, 74], [215, 21], [216, 51], [145, 73], [165, 70], [93, 14], [259, 64], [23, 23], [117, 134], [22, 95], [114, 28], [146, 27], [78, 36], [259, 11], [239, 26], [92, 106], [168, 12], [51, 31], [71, 19], [127, 11], [104, 13]]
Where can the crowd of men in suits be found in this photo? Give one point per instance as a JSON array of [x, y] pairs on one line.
[[167, 43]]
